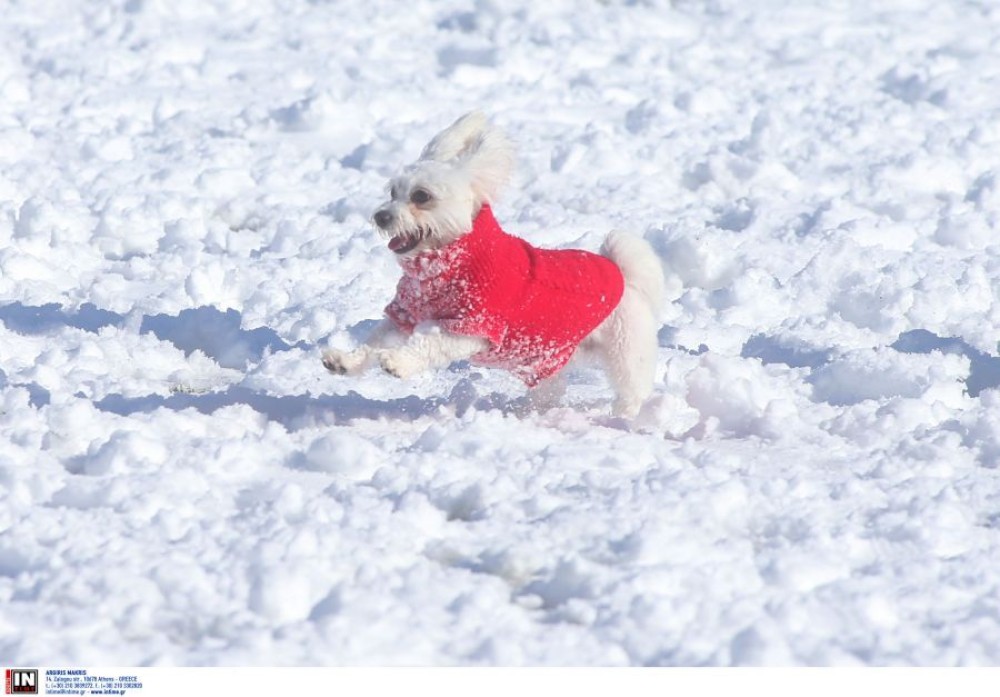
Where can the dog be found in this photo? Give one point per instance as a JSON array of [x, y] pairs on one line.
[[470, 291]]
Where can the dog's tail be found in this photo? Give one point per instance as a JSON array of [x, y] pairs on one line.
[[639, 265]]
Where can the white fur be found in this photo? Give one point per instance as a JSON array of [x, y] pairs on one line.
[[462, 168], [626, 341]]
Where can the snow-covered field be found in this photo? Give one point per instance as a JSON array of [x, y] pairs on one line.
[[184, 193]]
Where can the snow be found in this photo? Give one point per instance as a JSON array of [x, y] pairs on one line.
[[184, 193]]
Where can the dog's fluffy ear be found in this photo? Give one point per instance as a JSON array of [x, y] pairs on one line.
[[457, 139], [478, 147], [489, 163]]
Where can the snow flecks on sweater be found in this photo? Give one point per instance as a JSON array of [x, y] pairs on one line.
[[534, 305]]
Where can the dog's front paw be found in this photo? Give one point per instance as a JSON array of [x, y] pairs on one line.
[[400, 364], [343, 362]]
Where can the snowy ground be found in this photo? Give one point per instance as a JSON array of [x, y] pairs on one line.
[[184, 192]]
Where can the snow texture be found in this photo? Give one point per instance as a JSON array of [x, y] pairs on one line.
[[184, 193]]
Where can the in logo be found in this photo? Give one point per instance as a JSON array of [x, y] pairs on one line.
[[21, 681]]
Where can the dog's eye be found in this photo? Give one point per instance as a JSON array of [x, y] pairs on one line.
[[420, 196]]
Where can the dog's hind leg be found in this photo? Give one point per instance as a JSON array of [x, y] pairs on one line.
[[627, 344], [627, 339]]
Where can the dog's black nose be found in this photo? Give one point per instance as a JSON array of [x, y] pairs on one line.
[[383, 218]]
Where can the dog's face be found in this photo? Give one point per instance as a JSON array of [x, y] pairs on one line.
[[434, 201]]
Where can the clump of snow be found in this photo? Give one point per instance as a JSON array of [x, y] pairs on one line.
[[184, 199]]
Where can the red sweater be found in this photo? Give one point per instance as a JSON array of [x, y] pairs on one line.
[[534, 305]]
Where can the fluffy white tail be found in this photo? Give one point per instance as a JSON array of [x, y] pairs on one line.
[[640, 266]]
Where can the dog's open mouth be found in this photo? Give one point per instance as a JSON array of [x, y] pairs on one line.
[[405, 242]]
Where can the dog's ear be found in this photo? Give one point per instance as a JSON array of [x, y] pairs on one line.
[[478, 147], [458, 139], [488, 161]]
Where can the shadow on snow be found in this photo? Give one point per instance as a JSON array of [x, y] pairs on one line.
[[301, 411], [984, 371], [215, 333]]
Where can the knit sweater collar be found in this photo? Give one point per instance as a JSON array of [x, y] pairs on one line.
[[436, 261]]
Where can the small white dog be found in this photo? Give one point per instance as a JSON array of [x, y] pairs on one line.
[[470, 291]]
